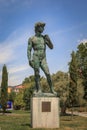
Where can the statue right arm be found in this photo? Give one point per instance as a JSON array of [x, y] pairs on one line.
[[29, 48], [29, 51]]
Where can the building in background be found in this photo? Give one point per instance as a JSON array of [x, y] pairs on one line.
[[15, 89], [10, 88], [18, 88]]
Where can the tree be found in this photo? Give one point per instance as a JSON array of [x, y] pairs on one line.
[[82, 65], [11, 96], [28, 79], [27, 97], [60, 80], [4, 87], [0, 97], [73, 80], [18, 101]]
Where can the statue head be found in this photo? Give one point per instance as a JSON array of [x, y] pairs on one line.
[[39, 24]]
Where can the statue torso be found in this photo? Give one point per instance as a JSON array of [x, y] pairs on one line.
[[38, 43], [39, 46]]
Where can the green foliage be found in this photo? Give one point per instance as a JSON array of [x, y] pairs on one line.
[[27, 97], [73, 79], [18, 102], [60, 81], [11, 96], [29, 84], [80, 89], [29, 79], [0, 95], [82, 65], [44, 84], [4, 87]]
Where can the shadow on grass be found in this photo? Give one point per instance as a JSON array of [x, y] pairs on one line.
[[26, 125], [6, 111], [67, 117], [66, 114]]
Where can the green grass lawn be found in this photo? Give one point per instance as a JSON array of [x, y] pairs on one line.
[[20, 120]]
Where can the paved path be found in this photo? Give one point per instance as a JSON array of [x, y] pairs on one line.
[[83, 114]]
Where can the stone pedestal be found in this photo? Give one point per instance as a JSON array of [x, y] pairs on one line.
[[45, 112]]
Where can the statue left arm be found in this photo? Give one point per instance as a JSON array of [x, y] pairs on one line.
[[48, 41]]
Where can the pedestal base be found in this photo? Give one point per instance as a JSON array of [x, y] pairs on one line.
[[45, 112]]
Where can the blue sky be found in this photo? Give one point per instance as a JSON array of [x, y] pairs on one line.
[[66, 24]]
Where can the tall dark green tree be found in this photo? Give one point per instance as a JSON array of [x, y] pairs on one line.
[[73, 80], [82, 65], [4, 87]]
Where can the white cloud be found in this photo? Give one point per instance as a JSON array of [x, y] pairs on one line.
[[17, 74], [83, 41], [18, 69], [10, 53], [9, 46], [14, 80], [68, 29], [17, 3], [5, 54]]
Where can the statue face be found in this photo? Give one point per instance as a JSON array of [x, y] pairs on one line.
[[40, 29]]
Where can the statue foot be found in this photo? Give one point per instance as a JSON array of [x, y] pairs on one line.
[[39, 91], [35, 92], [55, 93]]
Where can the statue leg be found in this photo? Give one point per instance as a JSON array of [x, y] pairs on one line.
[[36, 72], [37, 80], [45, 69]]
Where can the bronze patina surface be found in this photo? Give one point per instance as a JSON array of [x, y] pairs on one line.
[[37, 44]]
